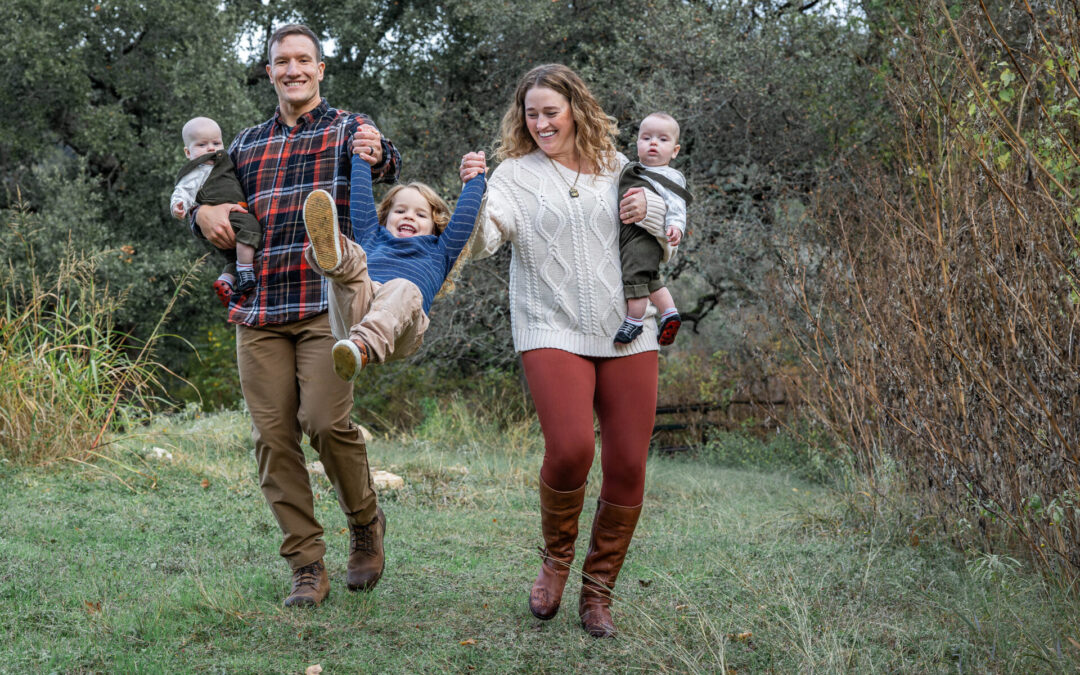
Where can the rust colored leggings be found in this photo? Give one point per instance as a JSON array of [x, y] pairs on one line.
[[566, 388]]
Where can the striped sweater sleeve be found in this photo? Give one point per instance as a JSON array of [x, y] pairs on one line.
[[461, 224], [362, 202]]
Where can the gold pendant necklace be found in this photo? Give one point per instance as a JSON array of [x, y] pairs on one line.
[[573, 188]]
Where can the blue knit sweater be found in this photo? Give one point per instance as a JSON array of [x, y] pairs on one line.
[[425, 260]]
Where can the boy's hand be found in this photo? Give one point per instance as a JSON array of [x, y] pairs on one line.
[[674, 235], [633, 207], [472, 165], [367, 142], [213, 221], [178, 211]]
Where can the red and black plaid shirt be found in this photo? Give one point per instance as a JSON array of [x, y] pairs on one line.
[[278, 166]]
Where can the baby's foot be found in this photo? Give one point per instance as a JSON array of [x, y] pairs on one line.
[[224, 290], [628, 331], [320, 221], [350, 357], [669, 327], [247, 281]]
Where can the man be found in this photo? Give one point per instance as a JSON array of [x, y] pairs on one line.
[[283, 337]]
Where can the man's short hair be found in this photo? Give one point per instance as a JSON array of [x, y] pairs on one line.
[[294, 29], [667, 118]]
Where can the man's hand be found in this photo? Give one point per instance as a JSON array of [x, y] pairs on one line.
[[472, 165], [674, 235], [367, 142], [633, 206], [213, 222]]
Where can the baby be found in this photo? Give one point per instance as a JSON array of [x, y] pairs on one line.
[[382, 287], [641, 253], [209, 178]]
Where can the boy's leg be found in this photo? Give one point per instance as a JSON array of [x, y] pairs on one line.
[[248, 238], [393, 327]]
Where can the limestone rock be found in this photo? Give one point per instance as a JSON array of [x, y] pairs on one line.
[[384, 480]]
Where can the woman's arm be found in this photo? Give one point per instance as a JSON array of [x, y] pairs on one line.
[[362, 213]]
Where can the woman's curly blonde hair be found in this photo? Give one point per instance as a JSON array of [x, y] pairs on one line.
[[595, 129], [440, 210]]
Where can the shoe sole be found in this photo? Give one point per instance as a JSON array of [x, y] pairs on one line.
[[223, 291], [320, 221], [347, 360], [668, 332]]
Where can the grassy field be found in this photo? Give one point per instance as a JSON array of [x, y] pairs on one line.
[[133, 566]]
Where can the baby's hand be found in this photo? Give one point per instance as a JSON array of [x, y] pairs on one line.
[[178, 211], [472, 165], [674, 235]]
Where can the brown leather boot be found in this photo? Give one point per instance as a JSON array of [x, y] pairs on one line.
[[310, 585], [612, 530], [559, 513], [366, 556]]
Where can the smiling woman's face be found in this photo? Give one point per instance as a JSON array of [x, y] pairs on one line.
[[551, 122]]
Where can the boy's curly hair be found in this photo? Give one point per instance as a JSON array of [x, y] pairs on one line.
[[595, 129], [440, 210]]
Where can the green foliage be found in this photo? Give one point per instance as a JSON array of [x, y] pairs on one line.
[[781, 452]]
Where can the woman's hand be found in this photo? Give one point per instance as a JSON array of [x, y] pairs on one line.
[[633, 206], [367, 142], [472, 165], [213, 221]]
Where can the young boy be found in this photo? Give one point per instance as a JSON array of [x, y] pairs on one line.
[[641, 253], [209, 178], [382, 287]]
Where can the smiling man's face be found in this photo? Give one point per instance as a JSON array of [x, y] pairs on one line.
[[296, 72]]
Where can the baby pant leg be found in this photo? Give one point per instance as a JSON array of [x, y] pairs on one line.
[[393, 327]]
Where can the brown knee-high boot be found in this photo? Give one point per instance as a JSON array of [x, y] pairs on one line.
[[559, 513], [612, 530]]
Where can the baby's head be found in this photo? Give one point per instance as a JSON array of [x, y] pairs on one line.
[[202, 135], [658, 139], [412, 210]]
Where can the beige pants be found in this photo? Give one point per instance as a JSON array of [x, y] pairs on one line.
[[290, 388], [389, 318]]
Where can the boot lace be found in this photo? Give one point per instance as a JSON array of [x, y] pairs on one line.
[[308, 575], [363, 537]]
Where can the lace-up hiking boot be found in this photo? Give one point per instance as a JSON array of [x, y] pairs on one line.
[[320, 221], [349, 358], [310, 585], [366, 555]]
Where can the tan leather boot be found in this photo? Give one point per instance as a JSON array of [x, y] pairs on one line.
[[310, 585], [559, 513], [612, 530], [366, 555]]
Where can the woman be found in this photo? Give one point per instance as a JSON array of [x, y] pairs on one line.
[[554, 198]]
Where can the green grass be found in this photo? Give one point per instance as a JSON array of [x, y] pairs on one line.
[[160, 574]]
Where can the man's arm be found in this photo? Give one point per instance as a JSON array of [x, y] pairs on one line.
[[376, 150]]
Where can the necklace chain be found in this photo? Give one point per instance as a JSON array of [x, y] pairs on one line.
[[573, 188]]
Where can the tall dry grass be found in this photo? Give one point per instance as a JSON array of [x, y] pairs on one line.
[[944, 330], [68, 377]]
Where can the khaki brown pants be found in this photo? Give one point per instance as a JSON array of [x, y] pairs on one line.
[[290, 388], [389, 318]]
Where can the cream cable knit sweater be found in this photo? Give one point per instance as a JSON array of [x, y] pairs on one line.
[[566, 289]]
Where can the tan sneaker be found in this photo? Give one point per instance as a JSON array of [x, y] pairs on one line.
[[350, 357], [310, 585], [366, 555], [320, 221]]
